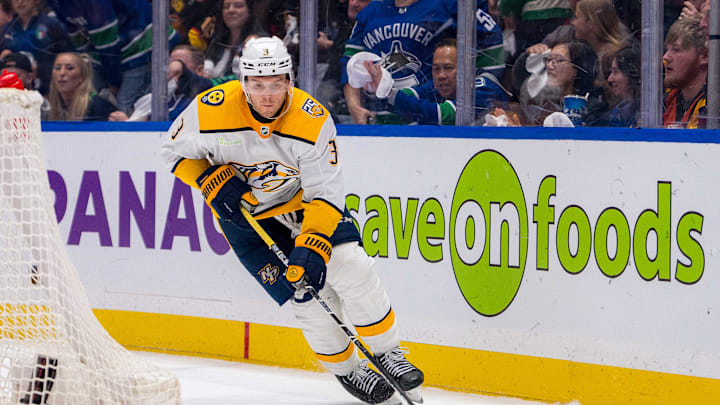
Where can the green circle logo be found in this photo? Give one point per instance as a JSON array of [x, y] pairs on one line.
[[488, 233]]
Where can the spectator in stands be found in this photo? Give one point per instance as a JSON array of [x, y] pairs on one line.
[[235, 24], [433, 103], [686, 66], [21, 65], [624, 80], [119, 32], [692, 9], [72, 97], [37, 32], [597, 23], [329, 91], [571, 70], [186, 79], [405, 33], [629, 12], [194, 21], [6, 13], [532, 19]]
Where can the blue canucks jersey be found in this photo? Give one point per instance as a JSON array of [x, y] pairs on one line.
[[405, 38], [118, 31], [423, 104]]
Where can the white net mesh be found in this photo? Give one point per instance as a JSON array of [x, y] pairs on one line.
[[52, 348]]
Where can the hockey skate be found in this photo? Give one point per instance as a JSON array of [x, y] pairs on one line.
[[367, 385], [408, 376]]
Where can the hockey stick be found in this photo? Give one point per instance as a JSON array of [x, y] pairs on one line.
[[302, 285]]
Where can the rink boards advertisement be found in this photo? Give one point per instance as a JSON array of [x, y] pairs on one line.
[[579, 251]]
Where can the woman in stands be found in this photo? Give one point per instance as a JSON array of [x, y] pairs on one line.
[[624, 82], [571, 70], [72, 97], [235, 23], [597, 23]]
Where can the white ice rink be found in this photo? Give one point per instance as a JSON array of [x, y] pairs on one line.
[[209, 381]]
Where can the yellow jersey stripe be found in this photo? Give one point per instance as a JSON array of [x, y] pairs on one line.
[[320, 217], [337, 357], [379, 327], [188, 170]]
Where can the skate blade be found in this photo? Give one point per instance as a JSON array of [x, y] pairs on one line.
[[393, 400], [416, 395]]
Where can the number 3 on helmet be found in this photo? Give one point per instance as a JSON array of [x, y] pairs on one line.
[[263, 56]]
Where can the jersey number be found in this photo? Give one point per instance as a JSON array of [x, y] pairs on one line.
[[485, 19], [333, 151]]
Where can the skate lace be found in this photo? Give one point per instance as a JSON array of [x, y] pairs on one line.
[[395, 362], [363, 378]]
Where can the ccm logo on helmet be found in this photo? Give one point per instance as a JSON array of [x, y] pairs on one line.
[[215, 97], [313, 109]]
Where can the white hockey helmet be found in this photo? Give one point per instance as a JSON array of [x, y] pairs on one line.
[[265, 56]]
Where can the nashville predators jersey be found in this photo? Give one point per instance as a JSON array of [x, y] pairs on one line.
[[290, 162]]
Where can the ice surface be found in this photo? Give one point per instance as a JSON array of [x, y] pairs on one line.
[[210, 381]]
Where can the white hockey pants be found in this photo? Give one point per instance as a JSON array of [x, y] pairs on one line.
[[352, 287]]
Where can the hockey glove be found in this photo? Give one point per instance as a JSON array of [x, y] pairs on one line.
[[224, 192], [308, 260]]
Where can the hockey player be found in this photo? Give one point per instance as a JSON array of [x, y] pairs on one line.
[[271, 147]]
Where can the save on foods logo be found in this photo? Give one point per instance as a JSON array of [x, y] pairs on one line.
[[489, 201], [488, 232]]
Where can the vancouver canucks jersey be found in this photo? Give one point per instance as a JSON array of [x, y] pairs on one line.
[[424, 105], [119, 31], [290, 163], [405, 37]]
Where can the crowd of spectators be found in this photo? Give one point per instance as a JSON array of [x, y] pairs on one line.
[[538, 62]]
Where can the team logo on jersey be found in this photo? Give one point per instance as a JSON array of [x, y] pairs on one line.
[[179, 128], [268, 176], [269, 274], [41, 32], [313, 108], [215, 97], [398, 59], [264, 131]]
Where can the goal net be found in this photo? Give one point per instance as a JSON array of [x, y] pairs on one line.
[[52, 348]]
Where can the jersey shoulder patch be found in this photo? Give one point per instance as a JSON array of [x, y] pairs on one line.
[[219, 107], [305, 118], [312, 108], [214, 97]]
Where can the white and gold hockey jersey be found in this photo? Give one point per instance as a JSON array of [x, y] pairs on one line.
[[290, 163]]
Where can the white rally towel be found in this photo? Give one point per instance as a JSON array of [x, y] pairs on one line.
[[558, 119], [358, 75], [535, 64]]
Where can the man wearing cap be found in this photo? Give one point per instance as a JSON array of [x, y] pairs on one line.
[[19, 64]]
